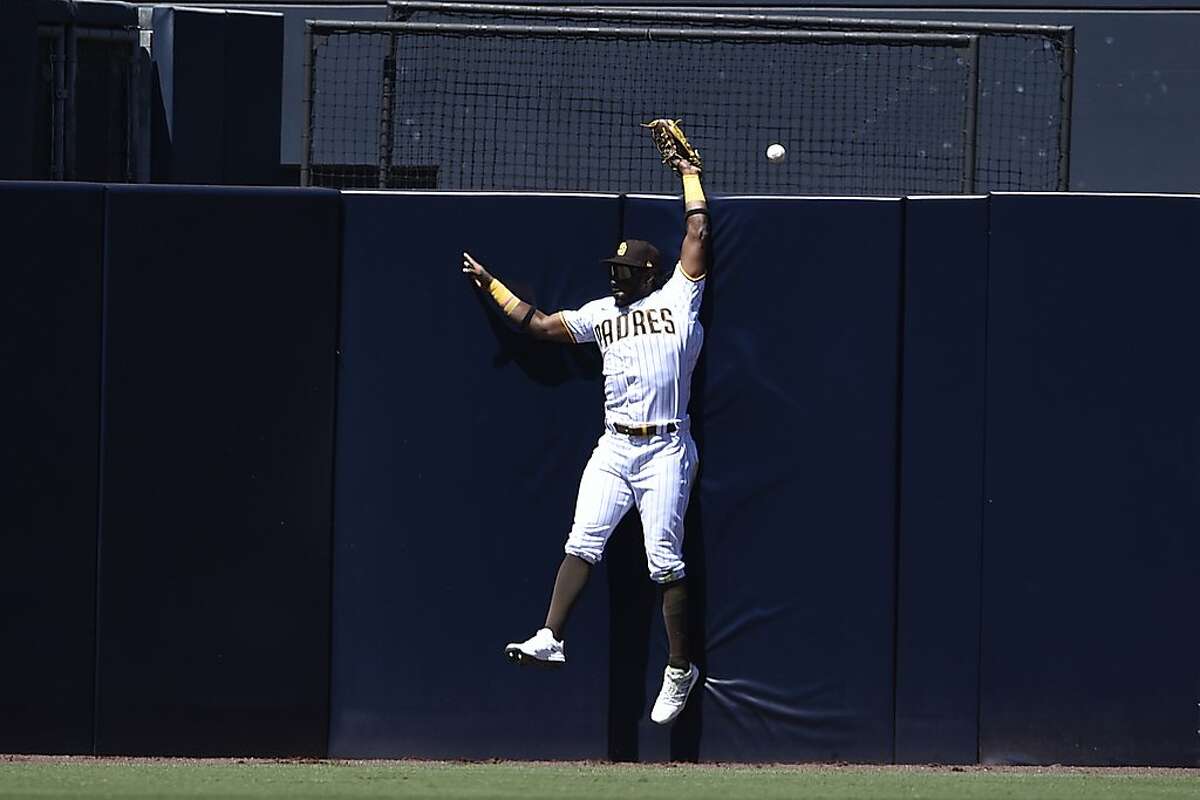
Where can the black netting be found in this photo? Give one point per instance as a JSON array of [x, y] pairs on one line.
[[1021, 83], [533, 111], [1020, 114], [344, 119]]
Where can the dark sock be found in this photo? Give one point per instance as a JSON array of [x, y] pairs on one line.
[[572, 576], [674, 607]]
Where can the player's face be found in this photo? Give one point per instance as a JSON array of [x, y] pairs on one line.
[[628, 284]]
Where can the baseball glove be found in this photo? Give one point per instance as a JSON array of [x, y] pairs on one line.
[[671, 143]]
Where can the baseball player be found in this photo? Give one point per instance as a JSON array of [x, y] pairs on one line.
[[649, 333]]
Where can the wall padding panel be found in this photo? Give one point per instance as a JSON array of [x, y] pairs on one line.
[[221, 328], [49, 463], [792, 526], [460, 446], [941, 483], [1090, 552]]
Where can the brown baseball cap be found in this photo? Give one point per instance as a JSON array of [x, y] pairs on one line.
[[635, 253]]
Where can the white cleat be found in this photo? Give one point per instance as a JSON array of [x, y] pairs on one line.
[[677, 685], [541, 649]]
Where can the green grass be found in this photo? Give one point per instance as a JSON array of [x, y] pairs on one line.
[[176, 779]]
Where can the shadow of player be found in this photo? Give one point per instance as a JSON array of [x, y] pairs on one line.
[[545, 363]]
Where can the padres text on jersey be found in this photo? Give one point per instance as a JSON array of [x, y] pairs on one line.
[[650, 350]]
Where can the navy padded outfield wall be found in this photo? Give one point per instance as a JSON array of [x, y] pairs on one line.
[[791, 529], [460, 446], [1091, 552], [965, 528], [941, 480], [214, 597], [49, 445]]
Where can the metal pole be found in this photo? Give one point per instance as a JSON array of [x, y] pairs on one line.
[[1064, 128], [140, 112], [387, 113], [971, 116], [404, 9], [58, 67], [69, 111], [623, 32], [310, 58], [83, 32], [131, 83]]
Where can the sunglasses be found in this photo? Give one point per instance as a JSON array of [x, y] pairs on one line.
[[621, 272]]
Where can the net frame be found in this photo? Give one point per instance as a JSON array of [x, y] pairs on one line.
[[1062, 37], [967, 43], [67, 61]]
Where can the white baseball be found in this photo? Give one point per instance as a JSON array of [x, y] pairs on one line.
[[776, 153]]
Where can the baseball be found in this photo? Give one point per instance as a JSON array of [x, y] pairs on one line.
[[776, 153]]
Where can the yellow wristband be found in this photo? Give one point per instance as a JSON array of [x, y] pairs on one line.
[[500, 294], [692, 191]]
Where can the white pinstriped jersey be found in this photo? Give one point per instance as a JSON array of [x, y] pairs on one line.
[[650, 349]]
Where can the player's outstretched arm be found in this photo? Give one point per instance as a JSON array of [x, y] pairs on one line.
[[524, 315], [693, 256]]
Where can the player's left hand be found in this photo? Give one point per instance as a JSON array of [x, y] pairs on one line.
[[673, 145], [475, 271]]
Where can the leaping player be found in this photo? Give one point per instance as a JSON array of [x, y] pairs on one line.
[[650, 336]]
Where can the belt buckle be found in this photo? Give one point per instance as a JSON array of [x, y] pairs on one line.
[[645, 430]]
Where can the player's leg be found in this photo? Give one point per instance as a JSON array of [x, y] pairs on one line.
[[674, 597], [573, 574], [604, 498], [662, 489]]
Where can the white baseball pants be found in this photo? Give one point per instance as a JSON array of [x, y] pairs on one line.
[[653, 472]]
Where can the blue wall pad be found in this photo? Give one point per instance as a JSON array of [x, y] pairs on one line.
[[187, 112], [253, 96], [1090, 551], [791, 529], [217, 96], [50, 348], [941, 483], [460, 447], [214, 597]]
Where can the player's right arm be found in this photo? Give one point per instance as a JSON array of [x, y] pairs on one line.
[[549, 327]]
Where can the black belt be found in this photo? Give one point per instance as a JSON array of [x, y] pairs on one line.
[[645, 430]]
